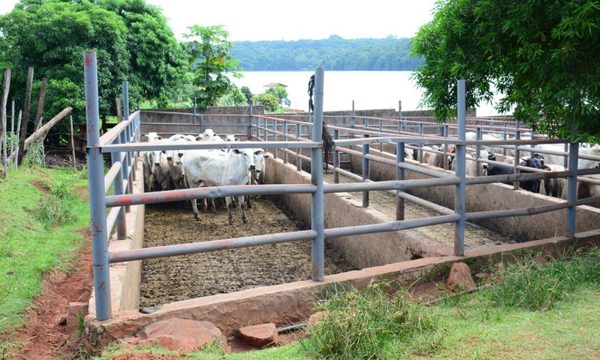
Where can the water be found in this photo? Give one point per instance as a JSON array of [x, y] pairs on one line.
[[368, 89]]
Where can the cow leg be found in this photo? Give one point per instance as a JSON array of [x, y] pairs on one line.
[[244, 220], [229, 204], [212, 201], [195, 209]]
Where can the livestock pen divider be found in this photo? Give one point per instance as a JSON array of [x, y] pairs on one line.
[[123, 144]]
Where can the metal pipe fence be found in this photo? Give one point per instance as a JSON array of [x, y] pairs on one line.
[[290, 137]]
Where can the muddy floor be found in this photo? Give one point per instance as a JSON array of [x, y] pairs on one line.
[[475, 235], [183, 277]]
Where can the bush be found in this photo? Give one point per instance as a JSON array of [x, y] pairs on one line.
[[55, 207], [371, 324], [532, 285]]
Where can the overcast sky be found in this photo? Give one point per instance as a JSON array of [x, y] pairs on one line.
[[293, 20]]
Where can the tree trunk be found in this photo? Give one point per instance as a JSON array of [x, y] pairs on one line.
[[41, 102], [26, 107], [43, 131], [119, 111], [5, 90]]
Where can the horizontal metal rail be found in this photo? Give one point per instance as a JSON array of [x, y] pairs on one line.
[[417, 200], [207, 193], [209, 145], [207, 246], [390, 185], [429, 139], [195, 125], [485, 215], [115, 131], [389, 226], [112, 173]]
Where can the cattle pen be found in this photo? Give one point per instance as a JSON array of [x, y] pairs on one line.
[[369, 152]]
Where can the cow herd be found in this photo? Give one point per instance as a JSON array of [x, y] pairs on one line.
[[180, 169], [490, 157]]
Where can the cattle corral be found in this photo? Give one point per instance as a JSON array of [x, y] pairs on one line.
[[381, 235]]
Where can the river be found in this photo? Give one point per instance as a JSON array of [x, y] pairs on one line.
[[368, 89]]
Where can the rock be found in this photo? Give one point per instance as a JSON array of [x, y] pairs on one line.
[[259, 335], [182, 334], [460, 277], [482, 275], [76, 309], [316, 318]]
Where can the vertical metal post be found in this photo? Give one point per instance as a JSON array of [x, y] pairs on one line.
[[336, 159], [298, 160], [125, 100], [316, 174], [400, 128], [96, 190], [517, 156], [265, 134], [285, 138], [353, 116], [420, 155], [445, 134], [124, 169], [249, 129], [275, 137], [566, 157], [365, 172], [399, 176], [572, 189], [118, 189], [459, 197], [194, 112], [478, 136]]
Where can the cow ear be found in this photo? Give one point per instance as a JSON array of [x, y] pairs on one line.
[[547, 168], [236, 139], [237, 151], [266, 156]]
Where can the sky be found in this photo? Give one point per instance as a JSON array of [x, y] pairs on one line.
[[292, 20]]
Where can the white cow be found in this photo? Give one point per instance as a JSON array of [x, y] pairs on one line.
[[152, 163], [471, 164], [215, 168], [231, 138]]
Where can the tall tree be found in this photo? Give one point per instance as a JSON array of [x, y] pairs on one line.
[[209, 54], [158, 63], [537, 54]]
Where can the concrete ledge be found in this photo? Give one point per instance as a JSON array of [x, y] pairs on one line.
[[294, 302]]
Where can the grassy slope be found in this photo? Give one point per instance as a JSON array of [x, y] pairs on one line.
[[28, 248], [475, 330]]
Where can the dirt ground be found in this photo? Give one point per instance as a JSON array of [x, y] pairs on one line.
[[384, 201], [183, 277], [45, 334]]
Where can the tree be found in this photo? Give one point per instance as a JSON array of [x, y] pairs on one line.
[[537, 54], [281, 93], [247, 93], [235, 97], [158, 62], [209, 54], [269, 101], [51, 37], [132, 40]]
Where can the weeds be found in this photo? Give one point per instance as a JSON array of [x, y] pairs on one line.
[[55, 208], [370, 324], [532, 285]]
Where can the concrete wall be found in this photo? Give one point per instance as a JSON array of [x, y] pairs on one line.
[[487, 197], [342, 210], [223, 120]]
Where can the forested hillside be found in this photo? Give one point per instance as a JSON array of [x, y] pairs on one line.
[[334, 53]]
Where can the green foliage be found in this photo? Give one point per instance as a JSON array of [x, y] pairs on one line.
[[537, 54], [34, 155], [535, 285], [29, 247], [334, 53], [209, 55], [247, 93], [56, 207], [233, 98], [269, 101], [370, 324], [281, 93], [132, 41]]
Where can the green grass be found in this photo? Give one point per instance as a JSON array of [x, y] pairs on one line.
[[508, 320], [32, 242]]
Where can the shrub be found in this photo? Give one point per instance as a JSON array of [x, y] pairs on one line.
[[55, 207], [532, 285], [370, 324]]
